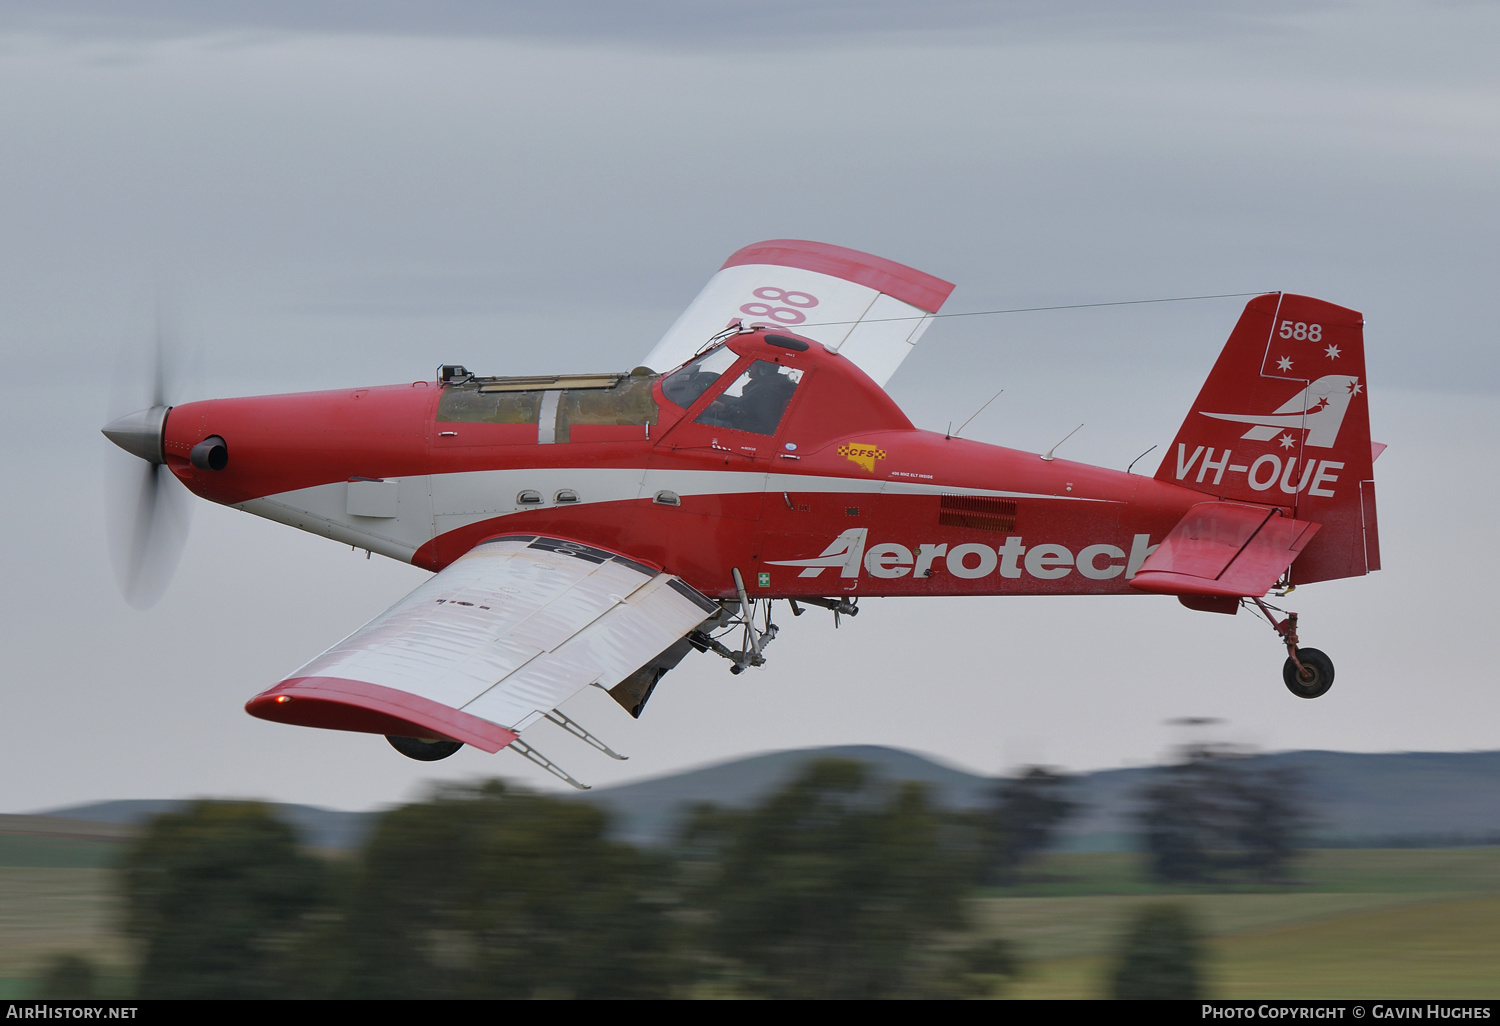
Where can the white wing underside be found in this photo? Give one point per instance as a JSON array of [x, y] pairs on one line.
[[516, 626], [861, 322]]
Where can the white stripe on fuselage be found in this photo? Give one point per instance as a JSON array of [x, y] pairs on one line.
[[431, 505]]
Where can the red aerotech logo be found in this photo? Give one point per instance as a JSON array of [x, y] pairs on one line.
[[848, 554]]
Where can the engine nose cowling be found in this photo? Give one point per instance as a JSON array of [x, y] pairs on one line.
[[231, 450]]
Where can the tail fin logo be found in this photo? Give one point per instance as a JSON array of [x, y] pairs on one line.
[[1319, 409]]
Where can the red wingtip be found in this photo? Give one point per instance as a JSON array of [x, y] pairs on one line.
[[335, 703]]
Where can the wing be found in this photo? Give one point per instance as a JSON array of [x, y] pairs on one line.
[[489, 645], [1224, 549], [868, 309]]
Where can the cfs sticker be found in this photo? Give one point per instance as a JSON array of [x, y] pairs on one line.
[[862, 453]]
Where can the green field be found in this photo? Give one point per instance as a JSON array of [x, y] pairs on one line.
[[1443, 948], [56, 898], [1407, 923], [47, 912]]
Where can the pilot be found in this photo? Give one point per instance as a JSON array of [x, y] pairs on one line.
[[765, 397]]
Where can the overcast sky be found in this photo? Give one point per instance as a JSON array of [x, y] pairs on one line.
[[333, 194]]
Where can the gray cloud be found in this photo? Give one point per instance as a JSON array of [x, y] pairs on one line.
[[783, 23], [350, 204]]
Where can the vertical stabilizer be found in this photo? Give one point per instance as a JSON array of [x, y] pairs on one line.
[[1283, 420]]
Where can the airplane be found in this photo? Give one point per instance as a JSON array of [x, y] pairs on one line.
[[594, 529]]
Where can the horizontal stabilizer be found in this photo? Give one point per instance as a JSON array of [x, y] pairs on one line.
[[1224, 548]]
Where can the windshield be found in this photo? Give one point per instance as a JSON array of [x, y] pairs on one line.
[[756, 401], [684, 386]]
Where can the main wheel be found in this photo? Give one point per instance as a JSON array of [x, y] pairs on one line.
[[423, 751], [1315, 678]]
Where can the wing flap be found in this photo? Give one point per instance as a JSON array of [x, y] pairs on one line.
[[605, 651], [503, 635], [1224, 549]]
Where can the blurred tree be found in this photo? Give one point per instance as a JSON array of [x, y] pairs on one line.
[[1271, 817], [218, 896], [1022, 820], [68, 978], [1215, 812], [490, 892], [1160, 957], [836, 887], [1182, 819]]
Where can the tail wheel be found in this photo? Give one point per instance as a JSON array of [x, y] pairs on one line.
[[1315, 676], [423, 751]]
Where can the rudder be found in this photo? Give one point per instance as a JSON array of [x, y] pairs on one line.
[[1283, 420]]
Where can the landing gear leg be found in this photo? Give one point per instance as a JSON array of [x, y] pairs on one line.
[[1307, 672], [740, 615]]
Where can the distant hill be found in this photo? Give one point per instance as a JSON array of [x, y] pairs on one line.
[[1385, 799], [649, 811], [320, 828], [1357, 800]]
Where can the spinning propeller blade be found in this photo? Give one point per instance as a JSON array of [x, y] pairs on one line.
[[148, 512]]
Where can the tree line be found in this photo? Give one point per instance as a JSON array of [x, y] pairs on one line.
[[839, 885]]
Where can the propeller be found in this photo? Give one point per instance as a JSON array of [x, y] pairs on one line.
[[148, 511]]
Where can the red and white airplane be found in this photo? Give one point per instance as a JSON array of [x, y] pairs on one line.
[[594, 529]]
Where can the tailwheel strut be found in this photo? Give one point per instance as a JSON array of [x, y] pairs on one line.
[[1307, 672]]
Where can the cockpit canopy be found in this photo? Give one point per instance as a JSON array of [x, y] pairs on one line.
[[778, 385], [754, 402]]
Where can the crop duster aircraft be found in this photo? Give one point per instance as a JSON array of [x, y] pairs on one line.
[[592, 530]]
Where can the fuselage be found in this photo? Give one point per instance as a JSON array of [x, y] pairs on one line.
[[843, 496]]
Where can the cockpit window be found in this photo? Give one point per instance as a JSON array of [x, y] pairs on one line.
[[756, 401], [684, 386]]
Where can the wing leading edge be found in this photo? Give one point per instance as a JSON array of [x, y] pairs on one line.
[[864, 307], [491, 644]]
